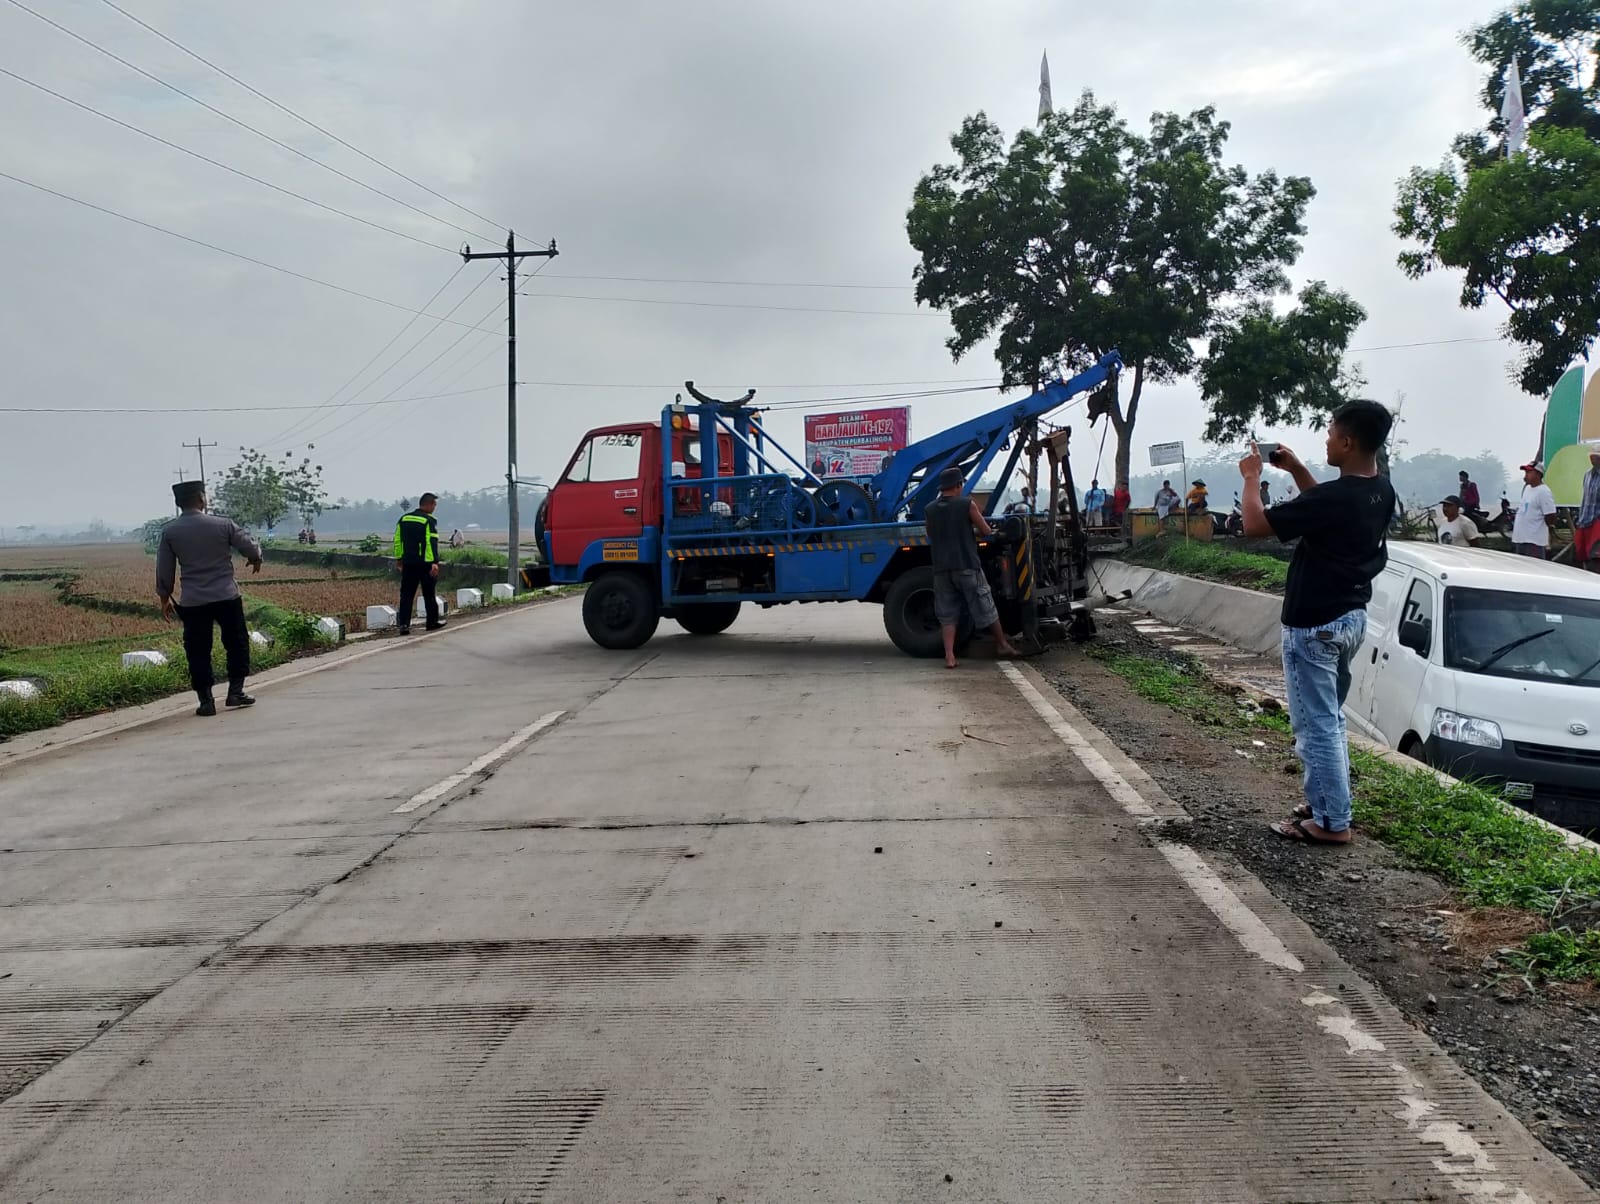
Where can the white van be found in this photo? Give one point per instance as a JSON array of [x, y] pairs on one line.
[[1487, 665]]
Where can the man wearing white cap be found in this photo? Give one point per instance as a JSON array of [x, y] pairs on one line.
[[1586, 531], [1536, 514]]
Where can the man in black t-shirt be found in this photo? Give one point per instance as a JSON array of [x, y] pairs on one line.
[[1340, 526]]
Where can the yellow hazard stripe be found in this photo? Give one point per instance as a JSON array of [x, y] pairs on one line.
[[820, 545]]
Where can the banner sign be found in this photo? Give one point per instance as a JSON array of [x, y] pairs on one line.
[[855, 443]]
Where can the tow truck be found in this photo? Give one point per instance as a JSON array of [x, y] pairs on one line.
[[694, 516]]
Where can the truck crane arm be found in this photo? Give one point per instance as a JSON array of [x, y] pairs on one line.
[[910, 480]]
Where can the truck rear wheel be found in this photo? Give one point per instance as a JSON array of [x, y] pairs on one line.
[[706, 618], [909, 618], [619, 611]]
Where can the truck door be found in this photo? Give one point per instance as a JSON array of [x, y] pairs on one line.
[[600, 496], [1401, 668]]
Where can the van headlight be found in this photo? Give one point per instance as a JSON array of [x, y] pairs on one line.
[[1464, 729]]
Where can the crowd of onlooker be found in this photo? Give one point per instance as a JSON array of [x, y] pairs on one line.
[[1460, 519]]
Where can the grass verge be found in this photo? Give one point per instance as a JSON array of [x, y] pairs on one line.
[[1185, 687], [1254, 570], [1490, 856]]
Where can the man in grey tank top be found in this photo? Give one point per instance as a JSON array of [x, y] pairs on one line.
[[958, 578], [200, 546]]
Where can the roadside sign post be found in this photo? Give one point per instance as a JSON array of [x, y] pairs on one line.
[[1162, 454]]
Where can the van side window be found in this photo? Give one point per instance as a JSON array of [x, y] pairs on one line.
[[1419, 612], [613, 457], [1385, 592]]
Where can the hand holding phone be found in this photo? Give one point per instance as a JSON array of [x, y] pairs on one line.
[[1269, 452]]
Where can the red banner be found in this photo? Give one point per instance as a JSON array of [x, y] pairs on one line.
[[855, 443]]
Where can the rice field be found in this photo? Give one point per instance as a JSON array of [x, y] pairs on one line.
[[57, 596], [32, 615]]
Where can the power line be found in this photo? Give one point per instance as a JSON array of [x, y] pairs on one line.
[[854, 384], [875, 397], [261, 263], [442, 353], [800, 309], [171, 87], [400, 418], [476, 364], [367, 407], [299, 116], [217, 163], [730, 283], [1424, 343], [390, 401], [298, 428]]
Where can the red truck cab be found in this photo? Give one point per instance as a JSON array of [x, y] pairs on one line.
[[611, 493]]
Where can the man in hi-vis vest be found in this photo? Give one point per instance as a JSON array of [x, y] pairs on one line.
[[416, 551]]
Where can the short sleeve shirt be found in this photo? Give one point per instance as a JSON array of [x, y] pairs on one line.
[[1529, 525], [1340, 526], [1460, 531]]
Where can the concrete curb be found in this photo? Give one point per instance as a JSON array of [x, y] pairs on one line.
[[1234, 615], [1245, 618]]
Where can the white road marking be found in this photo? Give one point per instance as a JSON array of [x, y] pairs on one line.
[[1234, 913], [1466, 1164], [442, 788], [1131, 800]]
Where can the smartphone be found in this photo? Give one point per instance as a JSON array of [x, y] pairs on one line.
[[1269, 452]]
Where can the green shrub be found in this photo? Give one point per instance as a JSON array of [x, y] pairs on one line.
[[370, 544], [487, 557]]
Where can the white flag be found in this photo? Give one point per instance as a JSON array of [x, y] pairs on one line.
[[1512, 112], [1045, 107]]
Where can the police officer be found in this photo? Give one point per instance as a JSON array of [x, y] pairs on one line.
[[416, 551], [201, 547]]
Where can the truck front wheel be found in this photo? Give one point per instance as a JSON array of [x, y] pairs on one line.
[[706, 618], [909, 619], [619, 611]]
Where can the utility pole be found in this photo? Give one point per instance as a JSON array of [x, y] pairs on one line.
[[511, 255], [200, 448]]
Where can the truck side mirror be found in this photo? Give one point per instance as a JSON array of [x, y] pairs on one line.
[[1417, 635]]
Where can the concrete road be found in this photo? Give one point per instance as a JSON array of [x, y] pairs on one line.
[[777, 915]]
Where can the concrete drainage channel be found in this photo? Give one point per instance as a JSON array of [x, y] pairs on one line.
[[1242, 648]]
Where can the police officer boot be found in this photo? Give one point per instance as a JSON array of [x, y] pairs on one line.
[[207, 707], [238, 698]]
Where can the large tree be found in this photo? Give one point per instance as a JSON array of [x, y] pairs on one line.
[[1524, 228], [1084, 236]]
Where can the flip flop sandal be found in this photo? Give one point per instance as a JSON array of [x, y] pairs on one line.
[[1296, 830]]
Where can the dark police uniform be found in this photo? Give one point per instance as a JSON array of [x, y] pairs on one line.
[[416, 547], [200, 547]]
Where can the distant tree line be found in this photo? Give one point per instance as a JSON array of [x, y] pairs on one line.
[[485, 507]]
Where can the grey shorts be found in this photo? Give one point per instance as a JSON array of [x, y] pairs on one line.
[[969, 586]]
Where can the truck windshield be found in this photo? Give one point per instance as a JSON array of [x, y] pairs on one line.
[[1538, 637]]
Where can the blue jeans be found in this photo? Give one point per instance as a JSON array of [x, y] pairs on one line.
[[1316, 670]]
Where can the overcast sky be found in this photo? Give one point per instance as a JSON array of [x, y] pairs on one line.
[[776, 143]]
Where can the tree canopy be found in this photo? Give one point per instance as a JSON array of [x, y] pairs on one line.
[[258, 490], [1523, 228], [1280, 369], [1084, 236]]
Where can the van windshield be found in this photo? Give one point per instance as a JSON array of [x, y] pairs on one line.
[[1538, 637]]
